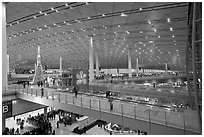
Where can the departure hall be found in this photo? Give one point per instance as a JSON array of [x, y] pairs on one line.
[[101, 68]]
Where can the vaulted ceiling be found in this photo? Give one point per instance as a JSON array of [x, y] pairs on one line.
[[153, 32]]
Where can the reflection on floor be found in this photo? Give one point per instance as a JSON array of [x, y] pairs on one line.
[[62, 130]]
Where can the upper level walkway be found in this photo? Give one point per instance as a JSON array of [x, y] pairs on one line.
[[154, 120]]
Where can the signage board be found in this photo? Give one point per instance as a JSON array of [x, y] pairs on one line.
[[7, 109]]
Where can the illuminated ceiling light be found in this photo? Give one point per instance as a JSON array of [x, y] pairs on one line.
[[141, 31], [150, 41], [155, 30], [171, 29], [158, 36], [57, 10], [52, 9], [118, 26], [66, 5], [40, 12], [146, 37], [174, 43], [103, 15], [88, 17], [168, 20], [45, 14], [87, 3], [149, 22], [34, 17], [173, 36], [140, 8], [123, 14], [127, 32]]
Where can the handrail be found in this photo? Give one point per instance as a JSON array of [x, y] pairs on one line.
[[183, 120]]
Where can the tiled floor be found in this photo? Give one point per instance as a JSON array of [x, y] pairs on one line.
[[62, 130]]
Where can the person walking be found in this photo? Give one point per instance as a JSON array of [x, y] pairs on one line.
[[75, 91], [42, 92]]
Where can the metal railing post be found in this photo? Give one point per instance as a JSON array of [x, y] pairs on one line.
[[59, 97], [165, 119], [122, 112], [89, 103], [81, 102], [66, 98], [99, 103], [135, 111]]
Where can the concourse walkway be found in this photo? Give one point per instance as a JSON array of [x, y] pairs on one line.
[[151, 119]]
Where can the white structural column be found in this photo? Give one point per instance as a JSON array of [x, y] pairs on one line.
[[129, 65], [137, 67], [166, 68], [4, 49], [45, 112], [8, 63], [91, 61], [97, 65], [60, 66]]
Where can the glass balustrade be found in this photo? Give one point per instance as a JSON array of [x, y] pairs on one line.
[[184, 120]]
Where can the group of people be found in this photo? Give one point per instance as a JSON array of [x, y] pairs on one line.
[[11, 131], [40, 83], [43, 125]]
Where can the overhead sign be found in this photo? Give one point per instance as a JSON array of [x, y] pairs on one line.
[[80, 79], [7, 109]]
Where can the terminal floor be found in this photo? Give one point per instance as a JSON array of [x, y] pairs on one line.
[[62, 130]]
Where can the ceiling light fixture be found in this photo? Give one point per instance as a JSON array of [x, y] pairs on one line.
[[173, 36], [127, 32], [158, 36], [171, 29], [140, 8], [141, 31], [149, 22], [123, 14], [168, 20], [155, 30], [103, 15]]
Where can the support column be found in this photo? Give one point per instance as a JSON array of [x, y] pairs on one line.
[[4, 49], [129, 65], [137, 67], [3, 124], [60, 66], [166, 68], [7, 63], [97, 65], [91, 62], [45, 112]]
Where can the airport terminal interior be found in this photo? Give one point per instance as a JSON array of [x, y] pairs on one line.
[[101, 68]]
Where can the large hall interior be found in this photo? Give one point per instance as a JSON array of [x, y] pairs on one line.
[[102, 68]]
